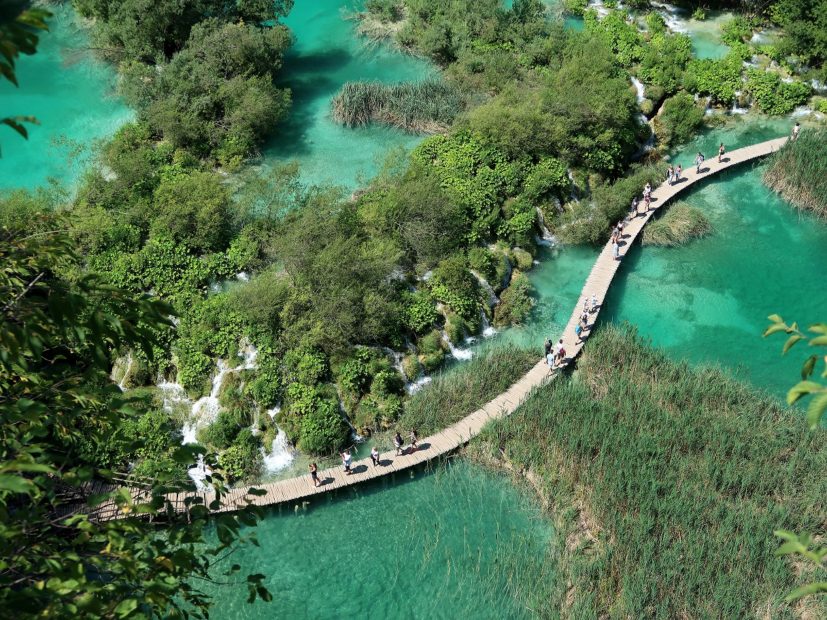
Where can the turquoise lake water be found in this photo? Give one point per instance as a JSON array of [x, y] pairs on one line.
[[451, 544], [326, 55], [73, 96]]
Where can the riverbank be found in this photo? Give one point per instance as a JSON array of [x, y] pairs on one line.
[[666, 484]]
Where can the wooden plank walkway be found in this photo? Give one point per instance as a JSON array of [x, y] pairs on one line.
[[448, 440]]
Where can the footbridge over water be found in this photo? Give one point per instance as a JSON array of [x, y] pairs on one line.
[[448, 440]]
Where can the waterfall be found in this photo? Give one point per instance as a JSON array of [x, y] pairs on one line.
[[204, 410], [242, 276], [493, 300], [547, 239], [281, 454], [460, 354], [417, 385], [640, 91], [199, 473], [127, 362], [487, 330], [735, 109]]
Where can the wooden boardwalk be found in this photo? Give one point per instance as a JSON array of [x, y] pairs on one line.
[[601, 276]]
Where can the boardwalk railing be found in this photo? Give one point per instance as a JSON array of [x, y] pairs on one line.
[[457, 435]]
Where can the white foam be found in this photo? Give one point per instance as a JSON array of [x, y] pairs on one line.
[[281, 454]]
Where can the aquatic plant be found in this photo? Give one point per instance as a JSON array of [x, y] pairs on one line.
[[458, 391], [680, 224], [665, 484], [797, 171], [428, 106]]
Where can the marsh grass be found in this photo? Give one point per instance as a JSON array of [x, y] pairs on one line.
[[666, 482], [799, 172], [464, 388], [428, 106], [677, 226]]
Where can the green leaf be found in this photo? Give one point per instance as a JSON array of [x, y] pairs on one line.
[[15, 484], [790, 342], [819, 328], [819, 341], [775, 318], [126, 607], [778, 327], [816, 410], [808, 367], [810, 588], [802, 388]]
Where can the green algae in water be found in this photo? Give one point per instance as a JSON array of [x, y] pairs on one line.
[[453, 544], [326, 54], [73, 96]]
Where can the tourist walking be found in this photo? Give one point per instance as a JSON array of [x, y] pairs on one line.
[[413, 440], [699, 159], [670, 173], [721, 151], [561, 354], [557, 348], [398, 443], [347, 458], [634, 205], [615, 250], [578, 331], [594, 303], [314, 474], [550, 360], [374, 456], [547, 346], [796, 131]]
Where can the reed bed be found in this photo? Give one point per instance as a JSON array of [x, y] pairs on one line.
[[429, 106], [464, 388], [799, 172], [677, 226], [666, 484]]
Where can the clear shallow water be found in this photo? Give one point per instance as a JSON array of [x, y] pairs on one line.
[[73, 96], [326, 54], [447, 545], [708, 301]]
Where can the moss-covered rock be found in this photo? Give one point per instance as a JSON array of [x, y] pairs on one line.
[[516, 302], [523, 260]]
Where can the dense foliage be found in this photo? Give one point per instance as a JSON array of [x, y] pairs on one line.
[[665, 483], [62, 420], [200, 73], [678, 225]]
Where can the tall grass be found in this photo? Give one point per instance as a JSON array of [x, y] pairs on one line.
[[428, 106], [677, 226], [464, 388], [799, 172], [667, 483]]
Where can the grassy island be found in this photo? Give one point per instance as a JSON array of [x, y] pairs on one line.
[[677, 226], [797, 172], [665, 483]]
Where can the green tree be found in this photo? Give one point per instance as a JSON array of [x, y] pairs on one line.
[[56, 401]]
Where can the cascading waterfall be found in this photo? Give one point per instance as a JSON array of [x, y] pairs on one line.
[[199, 473], [457, 353], [547, 239], [640, 90], [281, 454]]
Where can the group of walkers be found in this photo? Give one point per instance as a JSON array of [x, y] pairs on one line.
[[555, 354], [347, 456]]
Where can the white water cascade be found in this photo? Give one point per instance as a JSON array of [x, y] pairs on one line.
[[199, 473], [281, 454], [459, 354], [547, 239], [487, 329], [640, 90]]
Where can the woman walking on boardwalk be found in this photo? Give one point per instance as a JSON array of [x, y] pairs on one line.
[[314, 474], [374, 456], [398, 443], [347, 458], [414, 447], [721, 151]]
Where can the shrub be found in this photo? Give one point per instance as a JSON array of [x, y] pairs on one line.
[[737, 30], [411, 367], [455, 286], [307, 366], [773, 95], [678, 225], [419, 312], [547, 179], [621, 36], [575, 7], [717, 78], [678, 119], [322, 428], [484, 262], [243, 459], [520, 219], [664, 60], [516, 302], [523, 260]]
